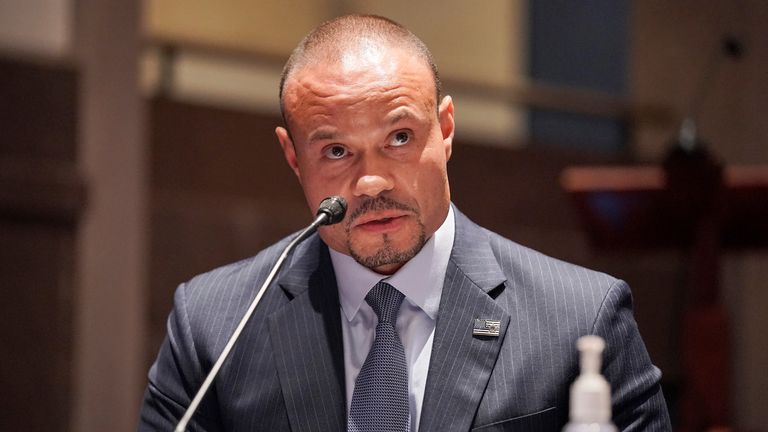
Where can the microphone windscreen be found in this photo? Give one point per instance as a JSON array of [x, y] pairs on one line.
[[335, 207]]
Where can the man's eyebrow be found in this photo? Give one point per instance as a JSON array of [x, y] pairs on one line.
[[402, 115], [321, 134]]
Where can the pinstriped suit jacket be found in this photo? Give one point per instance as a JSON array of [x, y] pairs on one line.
[[287, 371]]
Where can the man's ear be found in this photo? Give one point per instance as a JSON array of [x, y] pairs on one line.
[[289, 151], [447, 124]]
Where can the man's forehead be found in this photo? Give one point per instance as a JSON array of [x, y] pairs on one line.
[[366, 70], [313, 101]]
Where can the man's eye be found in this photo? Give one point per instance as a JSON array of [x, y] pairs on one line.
[[335, 152], [401, 138]]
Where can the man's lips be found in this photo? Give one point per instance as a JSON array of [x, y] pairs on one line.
[[380, 221]]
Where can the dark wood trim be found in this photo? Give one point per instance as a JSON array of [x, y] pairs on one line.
[[169, 44], [41, 191]]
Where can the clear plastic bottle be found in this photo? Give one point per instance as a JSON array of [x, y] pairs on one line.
[[590, 393]]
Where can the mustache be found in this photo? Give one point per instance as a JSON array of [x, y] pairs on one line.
[[379, 203]]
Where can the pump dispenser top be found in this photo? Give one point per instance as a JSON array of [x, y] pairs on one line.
[[590, 393]]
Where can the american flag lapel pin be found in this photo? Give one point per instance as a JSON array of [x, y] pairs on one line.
[[486, 327]]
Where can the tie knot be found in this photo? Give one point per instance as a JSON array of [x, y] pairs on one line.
[[385, 300]]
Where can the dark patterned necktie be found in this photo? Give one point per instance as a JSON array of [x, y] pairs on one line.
[[380, 399]]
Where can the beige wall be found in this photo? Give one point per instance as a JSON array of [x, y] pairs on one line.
[[271, 26], [477, 42], [41, 27]]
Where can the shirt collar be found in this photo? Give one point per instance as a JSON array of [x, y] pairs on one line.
[[420, 279]]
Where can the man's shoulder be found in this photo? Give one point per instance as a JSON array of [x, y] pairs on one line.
[[538, 285], [529, 267], [537, 261], [237, 276]]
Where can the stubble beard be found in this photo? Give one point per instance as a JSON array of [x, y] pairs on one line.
[[387, 253]]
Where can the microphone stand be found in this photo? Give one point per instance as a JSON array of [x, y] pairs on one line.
[[326, 215]]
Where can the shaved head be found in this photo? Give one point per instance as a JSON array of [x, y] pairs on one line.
[[353, 34]]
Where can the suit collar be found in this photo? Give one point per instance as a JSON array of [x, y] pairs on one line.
[[302, 264], [307, 345], [461, 363], [473, 255]]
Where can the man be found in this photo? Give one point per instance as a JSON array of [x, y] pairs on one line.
[[406, 315]]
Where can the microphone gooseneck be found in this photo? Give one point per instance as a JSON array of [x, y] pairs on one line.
[[330, 211]]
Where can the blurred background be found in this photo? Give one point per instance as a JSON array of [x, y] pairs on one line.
[[137, 150]]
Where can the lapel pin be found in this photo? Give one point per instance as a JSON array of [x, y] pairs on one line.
[[486, 327]]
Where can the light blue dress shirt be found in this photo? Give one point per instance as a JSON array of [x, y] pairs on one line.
[[421, 280]]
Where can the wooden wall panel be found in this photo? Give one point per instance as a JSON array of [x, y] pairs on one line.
[[220, 191], [41, 196]]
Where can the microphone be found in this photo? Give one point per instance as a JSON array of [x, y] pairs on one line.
[[688, 141], [330, 211], [334, 207]]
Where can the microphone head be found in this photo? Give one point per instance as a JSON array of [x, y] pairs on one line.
[[333, 206]]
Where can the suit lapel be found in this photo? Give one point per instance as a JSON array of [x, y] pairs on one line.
[[461, 363], [306, 338]]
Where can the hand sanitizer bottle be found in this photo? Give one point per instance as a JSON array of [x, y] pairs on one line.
[[590, 393]]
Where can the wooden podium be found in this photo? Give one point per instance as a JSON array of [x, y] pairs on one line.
[[694, 203]]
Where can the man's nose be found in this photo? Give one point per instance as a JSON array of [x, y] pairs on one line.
[[372, 180]]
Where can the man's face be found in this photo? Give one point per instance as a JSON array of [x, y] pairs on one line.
[[366, 128]]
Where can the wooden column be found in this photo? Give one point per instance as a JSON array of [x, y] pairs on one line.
[[110, 368]]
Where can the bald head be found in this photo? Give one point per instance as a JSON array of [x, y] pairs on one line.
[[351, 35]]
